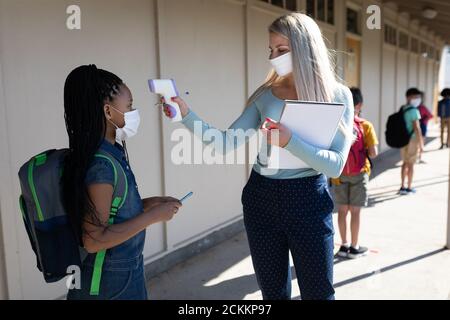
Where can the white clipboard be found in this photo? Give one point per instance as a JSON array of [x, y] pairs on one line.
[[314, 122]]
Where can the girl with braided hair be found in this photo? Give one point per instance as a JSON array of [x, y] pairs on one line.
[[98, 112]]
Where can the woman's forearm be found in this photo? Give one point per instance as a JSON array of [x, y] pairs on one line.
[[329, 162], [224, 141]]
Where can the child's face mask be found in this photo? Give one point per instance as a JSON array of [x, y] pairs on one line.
[[415, 102], [130, 129], [283, 64]]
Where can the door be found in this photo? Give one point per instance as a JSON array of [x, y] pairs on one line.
[[353, 63]]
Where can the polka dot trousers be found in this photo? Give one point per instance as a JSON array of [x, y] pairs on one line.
[[290, 215]]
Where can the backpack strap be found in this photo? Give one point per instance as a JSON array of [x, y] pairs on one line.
[[404, 111], [119, 196], [360, 122]]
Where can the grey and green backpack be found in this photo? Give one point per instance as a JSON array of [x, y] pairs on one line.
[[52, 238]]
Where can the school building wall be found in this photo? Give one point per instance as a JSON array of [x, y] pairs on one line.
[[215, 49], [445, 69]]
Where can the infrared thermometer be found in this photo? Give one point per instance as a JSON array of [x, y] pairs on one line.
[[167, 89]]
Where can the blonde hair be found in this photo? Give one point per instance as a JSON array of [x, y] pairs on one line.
[[314, 75], [313, 64]]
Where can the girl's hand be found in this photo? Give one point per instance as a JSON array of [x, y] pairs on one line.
[[184, 109], [152, 202], [168, 199], [284, 133], [166, 210]]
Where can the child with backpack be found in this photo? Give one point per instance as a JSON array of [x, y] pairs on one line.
[[81, 206], [351, 187], [444, 114], [415, 145]]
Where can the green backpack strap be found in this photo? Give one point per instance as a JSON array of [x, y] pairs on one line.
[[119, 197]]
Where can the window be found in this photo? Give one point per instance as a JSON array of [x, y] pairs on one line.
[[415, 45], [430, 52], [322, 10], [291, 5], [285, 4], [438, 55], [403, 40], [311, 8], [353, 21], [390, 35], [330, 12], [423, 49]]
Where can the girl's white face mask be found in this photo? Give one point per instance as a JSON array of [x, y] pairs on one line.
[[283, 64], [130, 129]]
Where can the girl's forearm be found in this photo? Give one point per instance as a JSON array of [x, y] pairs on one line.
[[151, 202], [111, 236]]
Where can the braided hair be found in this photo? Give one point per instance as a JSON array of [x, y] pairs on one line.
[[86, 91]]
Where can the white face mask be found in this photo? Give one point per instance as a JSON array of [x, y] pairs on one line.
[[415, 102], [283, 64], [130, 129]]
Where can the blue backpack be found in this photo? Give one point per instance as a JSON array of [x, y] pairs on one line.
[[52, 238]]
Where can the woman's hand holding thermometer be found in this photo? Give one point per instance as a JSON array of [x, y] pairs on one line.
[[168, 111], [174, 107], [167, 89]]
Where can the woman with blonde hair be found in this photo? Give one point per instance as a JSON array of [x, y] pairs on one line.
[[291, 209]]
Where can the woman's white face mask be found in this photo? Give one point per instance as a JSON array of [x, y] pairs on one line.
[[130, 129], [283, 64]]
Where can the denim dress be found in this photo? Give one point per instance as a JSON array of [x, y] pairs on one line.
[[123, 268]]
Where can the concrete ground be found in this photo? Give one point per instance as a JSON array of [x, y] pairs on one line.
[[406, 236]]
